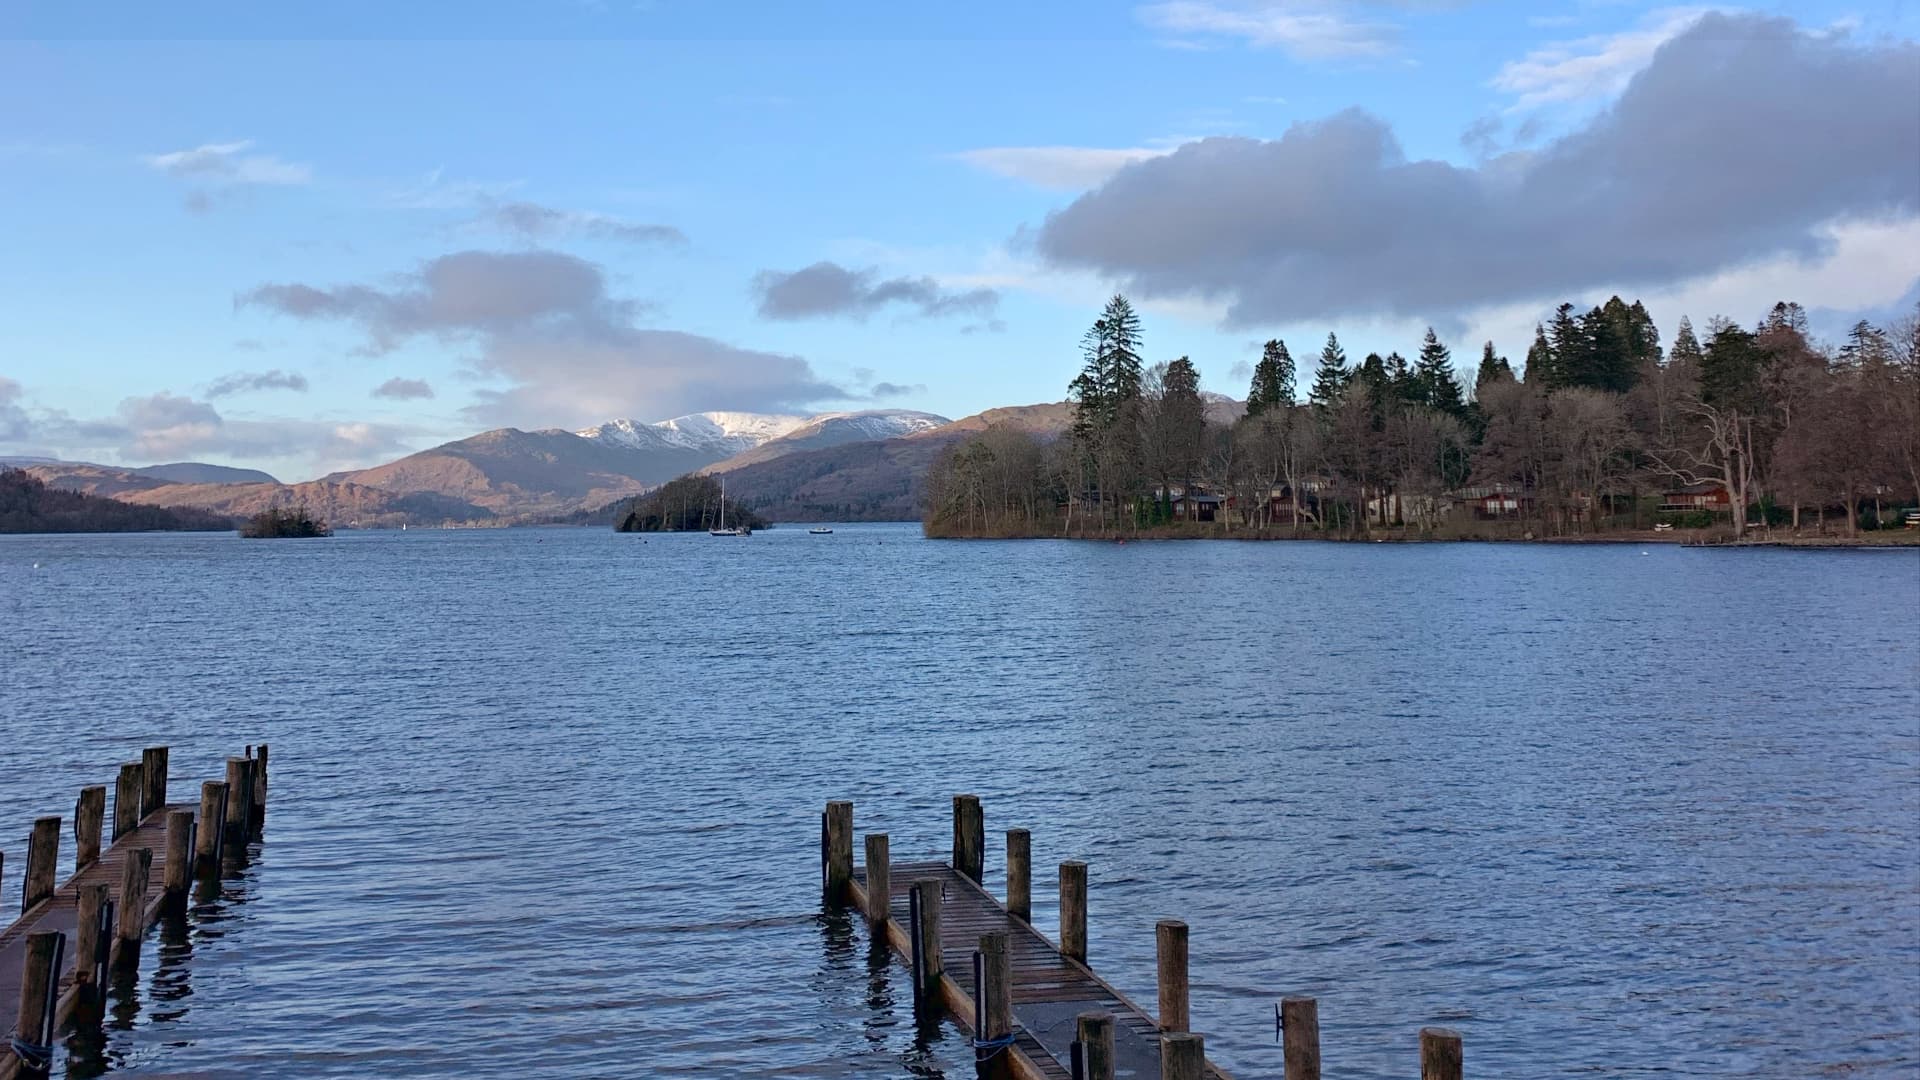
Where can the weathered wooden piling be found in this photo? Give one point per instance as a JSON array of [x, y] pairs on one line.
[[153, 776], [1020, 874], [39, 993], [1094, 1032], [1300, 1037], [92, 935], [43, 861], [179, 870], [259, 787], [879, 880], [969, 837], [239, 807], [89, 813], [1073, 910], [1440, 1054], [213, 816], [128, 789], [928, 963], [1170, 946], [132, 908], [993, 1033], [837, 855], [1182, 1056]]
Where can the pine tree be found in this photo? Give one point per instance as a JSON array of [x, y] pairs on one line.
[[1088, 390], [1539, 367], [1867, 346], [1434, 373], [1123, 350], [1330, 382], [1492, 366], [1401, 383], [1272, 379], [1685, 346], [1570, 347]]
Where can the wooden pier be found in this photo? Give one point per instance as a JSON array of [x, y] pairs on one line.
[[1036, 1010], [57, 958]]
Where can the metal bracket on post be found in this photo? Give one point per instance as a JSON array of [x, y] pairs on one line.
[[823, 849], [979, 1004], [1077, 1059], [919, 962]]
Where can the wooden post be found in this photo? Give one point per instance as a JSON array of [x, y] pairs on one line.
[[1440, 1054], [1095, 1032], [89, 811], [239, 804], [127, 792], [931, 964], [259, 787], [1183, 1056], [969, 837], [213, 816], [1020, 874], [43, 861], [1170, 944], [132, 908], [179, 869], [153, 773], [879, 879], [1073, 910], [996, 1005], [92, 937], [1300, 1032], [39, 989], [839, 852]]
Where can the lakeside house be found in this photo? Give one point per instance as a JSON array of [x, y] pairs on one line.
[[1710, 496]]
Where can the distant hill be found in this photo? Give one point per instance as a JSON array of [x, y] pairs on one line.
[[508, 471], [195, 472], [29, 505], [1048, 420], [836, 429], [341, 505]]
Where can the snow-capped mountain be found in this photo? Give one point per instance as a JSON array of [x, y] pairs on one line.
[[723, 435]]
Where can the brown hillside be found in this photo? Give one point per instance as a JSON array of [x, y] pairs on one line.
[[93, 479], [509, 471], [341, 505]]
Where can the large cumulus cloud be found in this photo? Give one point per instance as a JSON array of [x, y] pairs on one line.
[[1741, 140]]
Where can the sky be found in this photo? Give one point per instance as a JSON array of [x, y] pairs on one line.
[[316, 237]]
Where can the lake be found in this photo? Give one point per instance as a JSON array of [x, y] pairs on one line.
[[546, 802]]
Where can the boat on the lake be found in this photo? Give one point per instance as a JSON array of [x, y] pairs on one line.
[[723, 530], [820, 530]]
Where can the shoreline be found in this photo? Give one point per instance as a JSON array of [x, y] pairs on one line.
[[1697, 538]]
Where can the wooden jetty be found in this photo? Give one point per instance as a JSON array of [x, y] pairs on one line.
[[1036, 1011], [57, 958]]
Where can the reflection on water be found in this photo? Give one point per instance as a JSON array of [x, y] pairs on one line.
[[546, 802]]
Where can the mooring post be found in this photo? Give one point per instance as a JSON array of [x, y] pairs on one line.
[[1170, 945], [1020, 874], [43, 860], [839, 853], [239, 804], [1300, 1037], [92, 935], [179, 869], [128, 789], [1073, 910], [995, 1058], [259, 787], [153, 772], [879, 879], [89, 812], [132, 908], [39, 991], [927, 903], [1182, 1056], [213, 817], [1094, 1030], [969, 837], [1440, 1054]]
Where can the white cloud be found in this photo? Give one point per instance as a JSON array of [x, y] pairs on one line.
[[1307, 30], [1593, 67], [1060, 168], [229, 163]]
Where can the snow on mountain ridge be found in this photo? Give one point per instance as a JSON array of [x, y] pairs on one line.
[[729, 433]]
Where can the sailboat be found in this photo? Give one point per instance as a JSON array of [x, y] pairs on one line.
[[723, 530]]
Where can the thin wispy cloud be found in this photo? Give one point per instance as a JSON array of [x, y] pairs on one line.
[[1591, 68], [536, 224], [1303, 30], [245, 382], [828, 290], [229, 163], [398, 389], [1058, 168]]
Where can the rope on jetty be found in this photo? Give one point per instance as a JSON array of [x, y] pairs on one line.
[[32, 1055]]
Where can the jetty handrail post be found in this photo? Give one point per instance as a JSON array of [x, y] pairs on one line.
[[1170, 949], [179, 868], [839, 850], [969, 837], [128, 789], [879, 879], [89, 813], [1094, 1033], [153, 772], [92, 938], [213, 816], [39, 998], [1073, 910], [1183, 1056], [43, 861], [239, 804], [1300, 1036], [926, 941], [996, 1008], [1020, 874], [132, 908], [1440, 1054]]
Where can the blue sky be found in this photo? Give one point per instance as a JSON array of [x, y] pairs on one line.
[[556, 214]]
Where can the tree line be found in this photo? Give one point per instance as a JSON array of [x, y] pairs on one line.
[[1597, 422], [28, 505], [690, 503]]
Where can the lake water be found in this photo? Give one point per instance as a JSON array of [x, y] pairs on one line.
[[546, 802]]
